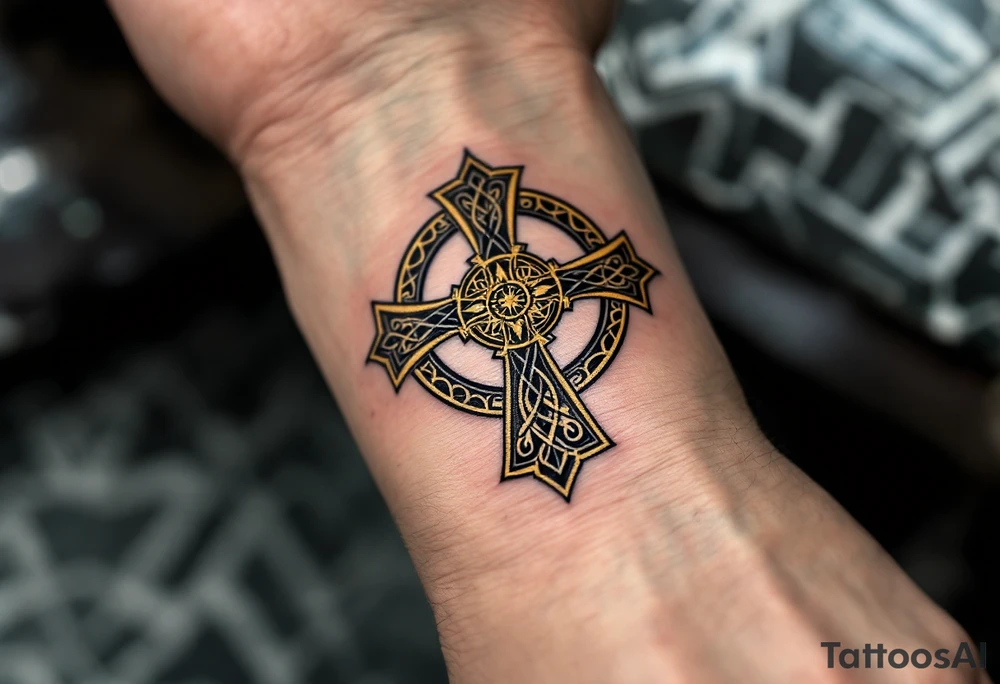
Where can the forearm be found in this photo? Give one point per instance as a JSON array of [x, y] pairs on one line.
[[691, 550], [340, 212]]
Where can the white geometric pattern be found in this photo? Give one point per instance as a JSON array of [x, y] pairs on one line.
[[864, 135], [151, 534]]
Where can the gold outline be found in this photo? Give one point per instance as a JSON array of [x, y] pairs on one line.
[[514, 172], [599, 254], [415, 358], [511, 256], [563, 215], [605, 444]]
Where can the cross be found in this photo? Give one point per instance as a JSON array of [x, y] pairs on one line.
[[510, 301]]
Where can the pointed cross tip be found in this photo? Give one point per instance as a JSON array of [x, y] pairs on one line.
[[471, 160], [565, 492]]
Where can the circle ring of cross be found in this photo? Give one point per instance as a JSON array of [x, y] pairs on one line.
[[510, 301]]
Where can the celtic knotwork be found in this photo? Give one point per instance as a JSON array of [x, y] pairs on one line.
[[613, 271], [407, 332], [510, 301], [454, 393], [548, 432], [487, 400], [481, 201]]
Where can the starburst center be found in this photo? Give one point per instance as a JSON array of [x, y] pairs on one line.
[[511, 301]]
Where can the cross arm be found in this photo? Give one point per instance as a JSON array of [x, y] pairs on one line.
[[613, 272], [548, 431], [405, 333], [481, 200]]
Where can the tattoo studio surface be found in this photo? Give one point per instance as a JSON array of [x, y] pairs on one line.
[[511, 302]]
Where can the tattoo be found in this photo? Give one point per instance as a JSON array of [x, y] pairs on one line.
[[510, 301]]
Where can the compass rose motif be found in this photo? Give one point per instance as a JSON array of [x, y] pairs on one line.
[[511, 301]]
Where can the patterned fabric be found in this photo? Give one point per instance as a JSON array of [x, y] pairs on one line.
[[863, 135], [200, 515]]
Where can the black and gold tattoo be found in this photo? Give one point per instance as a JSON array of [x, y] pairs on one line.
[[511, 301]]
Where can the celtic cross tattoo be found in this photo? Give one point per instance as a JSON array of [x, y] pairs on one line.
[[510, 301]]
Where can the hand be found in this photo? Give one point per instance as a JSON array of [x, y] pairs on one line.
[[699, 554]]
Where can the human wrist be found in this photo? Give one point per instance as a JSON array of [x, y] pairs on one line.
[[340, 211], [623, 569], [680, 419], [407, 89]]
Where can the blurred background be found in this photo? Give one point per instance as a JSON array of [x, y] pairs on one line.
[[180, 501]]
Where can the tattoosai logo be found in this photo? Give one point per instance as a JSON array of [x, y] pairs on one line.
[[898, 658]]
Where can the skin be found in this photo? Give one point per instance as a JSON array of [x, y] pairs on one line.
[[692, 552]]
